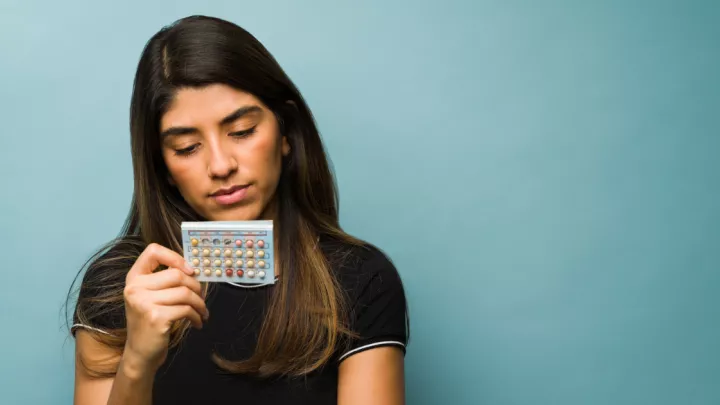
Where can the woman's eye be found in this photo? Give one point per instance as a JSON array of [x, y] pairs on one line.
[[243, 133], [185, 151]]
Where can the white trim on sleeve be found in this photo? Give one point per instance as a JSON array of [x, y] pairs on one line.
[[383, 343], [80, 325]]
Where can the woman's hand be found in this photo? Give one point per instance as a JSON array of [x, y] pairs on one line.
[[153, 301]]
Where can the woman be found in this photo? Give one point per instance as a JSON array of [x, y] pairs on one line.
[[219, 132]]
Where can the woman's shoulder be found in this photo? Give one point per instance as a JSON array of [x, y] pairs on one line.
[[376, 296], [99, 304], [360, 262]]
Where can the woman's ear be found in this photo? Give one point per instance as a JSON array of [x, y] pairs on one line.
[[285, 146]]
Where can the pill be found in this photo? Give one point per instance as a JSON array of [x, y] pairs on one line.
[[250, 253], [207, 272], [249, 243], [261, 253], [195, 252], [239, 273], [197, 272], [228, 263], [216, 252], [239, 253], [251, 273], [196, 262], [261, 274], [250, 263], [239, 263], [218, 272], [206, 262], [238, 242], [229, 272], [261, 264], [194, 242], [228, 252], [261, 243]]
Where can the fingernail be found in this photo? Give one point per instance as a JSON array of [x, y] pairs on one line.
[[207, 314]]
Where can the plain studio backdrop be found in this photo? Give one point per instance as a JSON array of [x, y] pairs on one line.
[[545, 175]]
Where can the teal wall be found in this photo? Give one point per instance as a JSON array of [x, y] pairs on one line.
[[546, 175]]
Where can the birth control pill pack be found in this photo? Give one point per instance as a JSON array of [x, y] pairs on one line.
[[230, 251]]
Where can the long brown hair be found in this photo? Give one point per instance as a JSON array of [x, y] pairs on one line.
[[307, 317]]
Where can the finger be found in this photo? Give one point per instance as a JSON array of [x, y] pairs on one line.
[[169, 278], [181, 296], [155, 255], [178, 312]]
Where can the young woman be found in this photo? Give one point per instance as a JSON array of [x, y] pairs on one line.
[[219, 132]]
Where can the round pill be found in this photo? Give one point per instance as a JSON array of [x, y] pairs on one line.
[[250, 263], [261, 264], [238, 242], [239, 273], [218, 272], [206, 252], [218, 262], [239, 263], [207, 272], [261, 274], [261, 253], [195, 252], [196, 262], [238, 253], [228, 252], [250, 253], [206, 262], [261, 243], [229, 272], [194, 242], [216, 252], [228, 263], [251, 273], [249, 243], [197, 272]]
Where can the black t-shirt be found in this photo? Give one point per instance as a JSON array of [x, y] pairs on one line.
[[189, 376]]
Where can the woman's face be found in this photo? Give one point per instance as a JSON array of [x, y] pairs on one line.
[[224, 151]]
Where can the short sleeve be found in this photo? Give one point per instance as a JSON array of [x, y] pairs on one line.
[[100, 306], [379, 306]]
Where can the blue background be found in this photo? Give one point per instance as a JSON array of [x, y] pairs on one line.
[[545, 174]]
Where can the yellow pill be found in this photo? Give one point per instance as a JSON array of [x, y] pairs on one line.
[[194, 242]]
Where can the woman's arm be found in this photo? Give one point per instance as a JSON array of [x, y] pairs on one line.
[[374, 376], [131, 384]]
